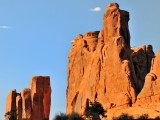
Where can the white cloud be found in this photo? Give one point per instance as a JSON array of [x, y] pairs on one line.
[[96, 9], [4, 27]]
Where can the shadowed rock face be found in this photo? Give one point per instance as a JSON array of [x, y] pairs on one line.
[[150, 93], [41, 97], [33, 103], [103, 67], [142, 57]]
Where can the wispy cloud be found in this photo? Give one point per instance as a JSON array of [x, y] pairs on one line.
[[4, 27], [96, 9]]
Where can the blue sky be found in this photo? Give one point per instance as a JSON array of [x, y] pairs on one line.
[[35, 38]]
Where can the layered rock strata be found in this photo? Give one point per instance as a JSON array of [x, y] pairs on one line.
[[32, 103], [103, 67]]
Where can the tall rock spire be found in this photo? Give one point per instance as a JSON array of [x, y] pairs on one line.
[[105, 74]]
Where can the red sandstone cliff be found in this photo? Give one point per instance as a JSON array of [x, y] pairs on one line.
[[95, 69], [103, 67]]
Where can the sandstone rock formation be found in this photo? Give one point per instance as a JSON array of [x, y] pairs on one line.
[[19, 106], [150, 93], [95, 69], [41, 97], [32, 103], [11, 101], [103, 67], [26, 103], [142, 57]]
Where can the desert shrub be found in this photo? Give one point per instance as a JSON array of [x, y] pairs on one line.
[[61, 116], [143, 117], [11, 115], [123, 117], [74, 116], [45, 118], [94, 111], [157, 118]]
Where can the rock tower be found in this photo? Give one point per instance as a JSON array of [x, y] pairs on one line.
[[32, 103], [104, 67]]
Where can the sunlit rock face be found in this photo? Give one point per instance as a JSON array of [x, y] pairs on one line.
[[26, 103], [32, 103], [103, 67], [19, 106], [100, 67], [11, 101]]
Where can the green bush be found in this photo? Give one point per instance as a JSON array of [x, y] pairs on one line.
[[94, 111], [74, 116], [11, 115], [61, 116], [143, 117], [45, 118], [123, 117]]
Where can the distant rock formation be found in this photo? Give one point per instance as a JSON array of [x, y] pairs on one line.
[[32, 103], [103, 67]]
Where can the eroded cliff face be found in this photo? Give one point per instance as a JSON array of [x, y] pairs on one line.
[[95, 69], [32, 103], [103, 67]]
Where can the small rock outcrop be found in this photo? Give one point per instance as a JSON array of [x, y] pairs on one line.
[[104, 67], [32, 103]]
